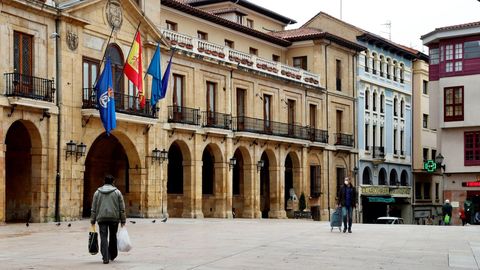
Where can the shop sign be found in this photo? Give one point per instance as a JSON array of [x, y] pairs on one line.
[[375, 190], [381, 200], [471, 184], [400, 192], [430, 166]]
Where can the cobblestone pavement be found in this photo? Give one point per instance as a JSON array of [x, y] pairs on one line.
[[245, 244]]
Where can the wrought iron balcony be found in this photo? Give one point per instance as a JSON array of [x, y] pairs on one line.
[[19, 85], [245, 60], [217, 120], [183, 115], [318, 135], [123, 103], [378, 152], [344, 139], [256, 125]]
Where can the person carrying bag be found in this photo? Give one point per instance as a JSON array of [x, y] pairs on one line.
[[93, 241], [108, 209]]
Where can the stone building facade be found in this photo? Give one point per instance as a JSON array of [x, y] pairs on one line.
[[249, 116]]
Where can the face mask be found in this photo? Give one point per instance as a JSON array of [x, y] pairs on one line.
[[346, 182]]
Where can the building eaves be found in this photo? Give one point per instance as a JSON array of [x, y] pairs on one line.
[[387, 44], [246, 4], [175, 4], [226, 10], [452, 27], [306, 33]]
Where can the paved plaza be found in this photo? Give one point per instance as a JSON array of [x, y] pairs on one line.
[[245, 244]]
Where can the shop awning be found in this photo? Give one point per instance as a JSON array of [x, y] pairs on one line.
[[381, 200]]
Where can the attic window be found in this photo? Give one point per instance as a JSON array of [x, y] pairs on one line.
[[239, 18], [249, 23]]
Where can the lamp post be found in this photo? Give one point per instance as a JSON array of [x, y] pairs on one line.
[[232, 163], [81, 150], [439, 160], [71, 149], [260, 165]]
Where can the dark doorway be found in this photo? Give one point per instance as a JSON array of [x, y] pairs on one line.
[[382, 177], [393, 178], [18, 174], [208, 174], [175, 170], [238, 184], [106, 156], [265, 186], [288, 178], [366, 176]]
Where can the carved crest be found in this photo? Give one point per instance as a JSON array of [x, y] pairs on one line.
[[114, 14], [72, 40]]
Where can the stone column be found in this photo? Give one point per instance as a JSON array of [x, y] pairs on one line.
[[189, 190], [251, 206], [221, 190], [277, 185], [3, 194]]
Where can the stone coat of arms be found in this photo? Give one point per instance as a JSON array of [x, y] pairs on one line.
[[114, 14], [72, 40]]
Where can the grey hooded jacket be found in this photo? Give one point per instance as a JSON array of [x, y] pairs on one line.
[[108, 205]]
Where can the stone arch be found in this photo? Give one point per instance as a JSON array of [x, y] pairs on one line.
[[292, 176], [114, 154], [269, 188], [382, 177], [179, 176], [404, 178], [24, 179], [393, 177], [243, 184], [214, 188], [367, 176]]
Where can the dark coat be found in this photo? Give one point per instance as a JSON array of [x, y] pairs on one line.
[[343, 194], [447, 209]]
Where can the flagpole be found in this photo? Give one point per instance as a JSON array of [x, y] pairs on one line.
[[131, 45], [105, 53]]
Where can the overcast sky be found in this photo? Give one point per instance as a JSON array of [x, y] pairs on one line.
[[410, 19]]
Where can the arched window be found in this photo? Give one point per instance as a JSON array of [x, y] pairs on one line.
[[404, 178], [374, 63], [382, 103], [389, 68], [402, 108], [395, 70], [382, 177], [367, 56], [116, 58], [366, 176], [395, 112], [367, 97], [402, 69], [382, 64], [374, 101], [393, 178]]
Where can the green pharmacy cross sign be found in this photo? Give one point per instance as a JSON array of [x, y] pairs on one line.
[[430, 166]]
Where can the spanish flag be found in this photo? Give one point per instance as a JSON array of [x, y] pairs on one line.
[[133, 67]]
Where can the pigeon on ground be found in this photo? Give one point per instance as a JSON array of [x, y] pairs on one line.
[[153, 221], [27, 224], [164, 220], [58, 224], [69, 225], [133, 222]]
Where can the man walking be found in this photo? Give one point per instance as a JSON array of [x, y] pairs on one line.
[[108, 209], [447, 211], [348, 200]]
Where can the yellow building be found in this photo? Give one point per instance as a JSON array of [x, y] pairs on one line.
[[252, 114]]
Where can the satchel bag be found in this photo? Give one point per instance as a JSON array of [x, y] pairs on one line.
[[93, 241]]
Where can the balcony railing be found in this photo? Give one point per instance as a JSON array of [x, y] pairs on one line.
[[226, 54], [318, 135], [378, 152], [19, 85], [183, 115], [123, 103], [344, 139], [256, 125], [217, 120]]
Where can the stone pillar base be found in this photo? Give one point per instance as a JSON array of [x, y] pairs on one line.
[[248, 214], [192, 214], [280, 214]]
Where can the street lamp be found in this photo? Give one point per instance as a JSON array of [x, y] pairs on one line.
[[156, 154], [81, 150], [439, 159], [71, 149], [163, 155], [260, 165], [232, 163]]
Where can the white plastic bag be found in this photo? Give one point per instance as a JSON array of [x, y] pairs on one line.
[[123, 240]]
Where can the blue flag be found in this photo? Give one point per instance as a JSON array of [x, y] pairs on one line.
[[166, 75], [105, 98], [155, 70]]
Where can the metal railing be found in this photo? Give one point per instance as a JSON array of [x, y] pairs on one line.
[[318, 135], [20, 85], [217, 120], [184, 115], [256, 125], [378, 152], [126, 104], [344, 139]]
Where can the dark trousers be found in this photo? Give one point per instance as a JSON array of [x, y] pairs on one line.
[[347, 217], [108, 245]]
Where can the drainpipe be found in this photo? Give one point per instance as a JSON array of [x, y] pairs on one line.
[[355, 142], [59, 122], [328, 156]]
